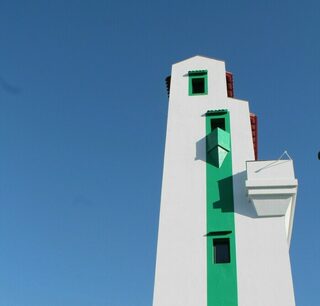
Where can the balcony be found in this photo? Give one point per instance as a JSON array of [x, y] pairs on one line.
[[272, 189]]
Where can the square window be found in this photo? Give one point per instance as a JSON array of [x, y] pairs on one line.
[[221, 250], [218, 123], [198, 83]]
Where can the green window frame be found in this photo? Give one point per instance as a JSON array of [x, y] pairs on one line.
[[198, 82]]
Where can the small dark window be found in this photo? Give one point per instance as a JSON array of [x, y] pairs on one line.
[[221, 249], [198, 86], [198, 82], [218, 123]]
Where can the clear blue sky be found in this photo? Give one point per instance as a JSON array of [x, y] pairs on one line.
[[83, 109]]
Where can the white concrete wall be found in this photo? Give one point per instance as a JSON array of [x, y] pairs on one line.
[[181, 273], [263, 265]]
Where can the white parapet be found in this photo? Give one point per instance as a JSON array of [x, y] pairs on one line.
[[272, 189]]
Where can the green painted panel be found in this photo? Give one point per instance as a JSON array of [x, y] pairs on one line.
[[218, 137], [217, 156], [221, 277], [218, 146]]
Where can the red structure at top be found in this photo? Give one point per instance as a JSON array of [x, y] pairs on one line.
[[253, 117], [229, 78]]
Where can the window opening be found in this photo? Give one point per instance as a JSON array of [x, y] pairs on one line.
[[218, 123], [221, 248], [198, 83]]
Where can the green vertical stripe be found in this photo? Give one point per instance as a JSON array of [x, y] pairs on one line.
[[221, 277]]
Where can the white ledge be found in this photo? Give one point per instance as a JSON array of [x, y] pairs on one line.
[[272, 183], [272, 189]]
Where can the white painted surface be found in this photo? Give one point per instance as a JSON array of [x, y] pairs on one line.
[[180, 278], [281, 169], [263, 265], [272, 189]]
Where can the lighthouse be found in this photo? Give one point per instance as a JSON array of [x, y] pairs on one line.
[[226, 217]]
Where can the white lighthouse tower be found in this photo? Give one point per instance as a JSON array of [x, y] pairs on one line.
[[225, 218]]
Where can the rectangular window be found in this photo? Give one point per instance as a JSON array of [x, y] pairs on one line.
[[218, 123], [198, 82], [221, 250]]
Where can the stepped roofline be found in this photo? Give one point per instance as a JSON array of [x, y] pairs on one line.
[[199, 56]]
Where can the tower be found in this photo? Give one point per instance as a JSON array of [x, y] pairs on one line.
[[225, 218]]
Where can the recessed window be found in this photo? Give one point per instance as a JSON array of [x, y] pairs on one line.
[[221, 250], [218, 123], [198, 83]]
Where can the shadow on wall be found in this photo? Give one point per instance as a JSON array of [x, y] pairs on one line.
[[201, 149], [225, 203], [241, 202]]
